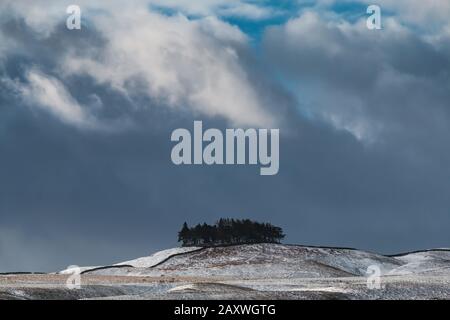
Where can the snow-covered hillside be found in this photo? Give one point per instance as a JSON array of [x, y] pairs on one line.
[[259, 261], [257, 271], [157, 258], [424, 262]]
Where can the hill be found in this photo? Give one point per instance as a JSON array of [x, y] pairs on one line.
[[253, 271]]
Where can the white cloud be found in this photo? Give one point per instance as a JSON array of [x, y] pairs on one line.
[[249, 11], [49, 94], [41, 15], [424, 14], [369, 83], [44, 15], [227, 8], [183, 62]]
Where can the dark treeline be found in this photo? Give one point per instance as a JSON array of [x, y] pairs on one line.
[[229, 231]]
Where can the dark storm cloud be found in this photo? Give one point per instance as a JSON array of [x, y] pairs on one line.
[[87, 197]]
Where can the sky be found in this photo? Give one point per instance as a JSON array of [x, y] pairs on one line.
[[86, 118]]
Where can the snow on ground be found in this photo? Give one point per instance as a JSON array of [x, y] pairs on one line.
[[156, 258], [260, 261], [207, 287], [258, 271], [143, 262], [264, 260], [73, 269], [321, 289], [431, 261]]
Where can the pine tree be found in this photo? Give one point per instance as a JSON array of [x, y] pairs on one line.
[[183, 235], [230, 231]]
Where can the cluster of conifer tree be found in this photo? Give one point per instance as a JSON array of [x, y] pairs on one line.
[[229, 231]]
